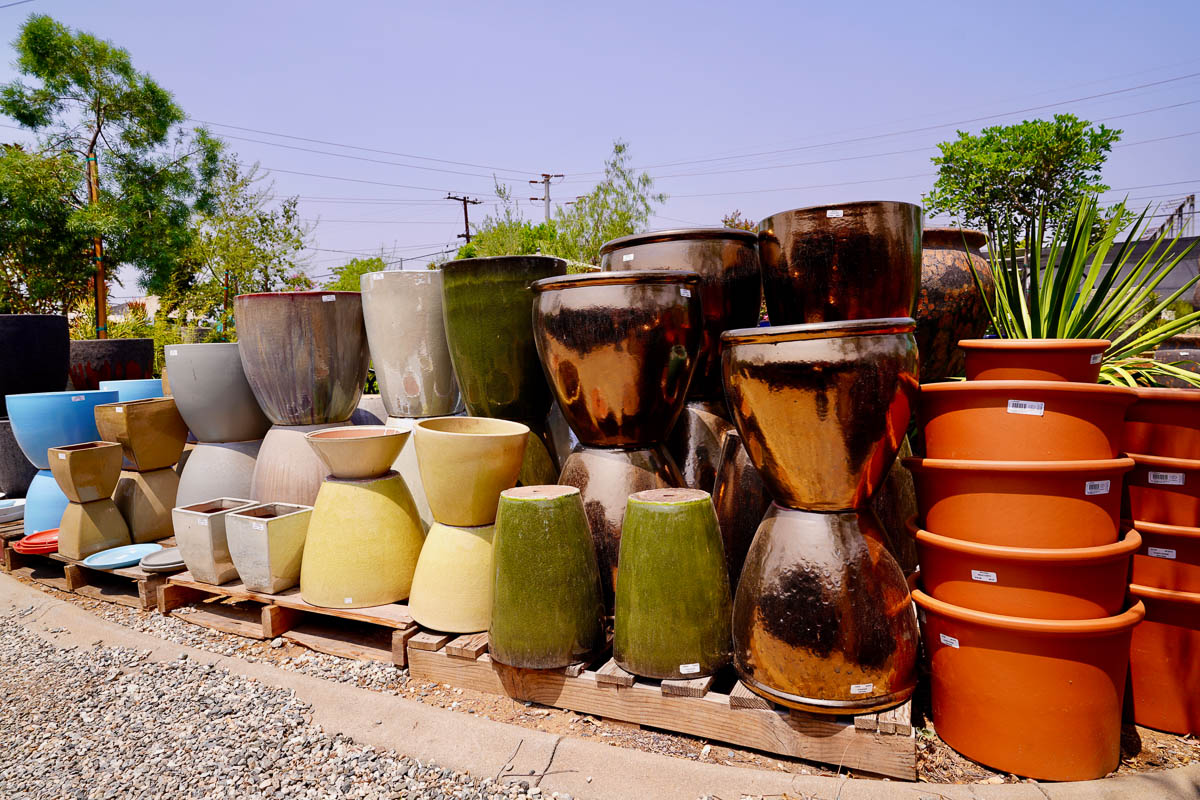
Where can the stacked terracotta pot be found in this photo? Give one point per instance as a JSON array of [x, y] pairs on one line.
[[1162, 502], [1024, 562]]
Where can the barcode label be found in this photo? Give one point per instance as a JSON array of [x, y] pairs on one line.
[[1097, 487], [378, 276], [259, 526], [949, 641], [202, 522], [1161, 552], [1097, 358], [172, 352], [119, 410], [347, 600], [685, 292], [1166, 478], [1026, 407], [76, 398], [62, 456], [862, 688], [834, 213], [627, 257], [689, 669], [328, 298], [983, 576]]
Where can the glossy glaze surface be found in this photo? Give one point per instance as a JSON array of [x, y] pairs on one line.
[[44, 503], [950, 306], [95, 360], [741, 498], [141, 389], [465, 463], [217, 469], [266, 543], [87, 471], [201, 537], [695, 442], [1164, 422], [358, 451], [89, 528], [16, 471], [286, 469], [151, 432], [1164, 674], [452, 587], [1073, 360], [146, 500]]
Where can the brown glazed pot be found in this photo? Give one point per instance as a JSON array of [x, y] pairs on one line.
[[1169, 557], [950, 306], [822, 619], [850, 261], [1021, 503], [822, 409], [1023, 420], [86, 472], [1164, 672], [741, 498], [304, 353], [619, 350], [695, 442], [1164, 490], [95, 360], [1164, 422], [895, 503], [1072, 360], [151, 432], [730, 286]]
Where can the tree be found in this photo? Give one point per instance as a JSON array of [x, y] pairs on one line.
[[1004, 176], [736, 220], [346, 278], [508, 233]]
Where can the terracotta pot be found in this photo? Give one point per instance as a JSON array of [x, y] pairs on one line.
[[151, 432], [51, 419], [44, 503], [1023, 420], [695, 442], [304, 354], [141, 389], [145, 500], [95, 360], [287, 470], [1059, 583], [212, 394], [895, 503], [16, 471], [1164, 673], [365, 451], [547, 605], [34, 354], [88, 528], [1072, 360], [1165, 490], [266, 543], [619, 350], [407, 336], [1164, 422], [217, 469], [362, 543], [466, 462], [740, 498], [1039, 698], [1169, 557], [86, 472], [605, 478], [1021, 503], [822, 409], [672, 595], [843, 262], [822, 620], [951, 306], [452, 586], [730, 285], [200, 534]]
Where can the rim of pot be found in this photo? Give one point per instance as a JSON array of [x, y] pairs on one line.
[[496, 259], [676, 234], [1034, 344], [974, 238], [1163, 528], [1044, 387], [633, 277], [508, 426], [1171, 595], [819, 330], [764, 223], [1187, 464], [68, 393], [409, 274], [967, 465], [1168, 395], [355, 433], [306, 293], [1130, 543], [1045, 627]]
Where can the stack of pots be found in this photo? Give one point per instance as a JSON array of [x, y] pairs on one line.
[[1024, 563], [1162, 436]]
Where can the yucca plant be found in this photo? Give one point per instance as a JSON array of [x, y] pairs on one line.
[[1063, 290]]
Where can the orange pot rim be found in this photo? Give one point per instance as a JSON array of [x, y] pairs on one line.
[[978, 465], [1045, 627], [1034, 344], [1042, 387], [1163, 528], [1170, 595], [1181, 464], [1168, 395], [1128, 544]]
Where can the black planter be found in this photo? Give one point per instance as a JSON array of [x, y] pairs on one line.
[[95, 360], [34, 352], [16, 471]]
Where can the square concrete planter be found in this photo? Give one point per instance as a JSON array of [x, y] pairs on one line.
[[267, 544], [150, 431], [86, 472], [200, 536]]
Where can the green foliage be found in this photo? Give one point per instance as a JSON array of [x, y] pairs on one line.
[[347, 277], [736, 220]]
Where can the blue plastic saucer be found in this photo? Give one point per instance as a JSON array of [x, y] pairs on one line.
[[124, 556]]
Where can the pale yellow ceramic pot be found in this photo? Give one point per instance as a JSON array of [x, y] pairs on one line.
[[466, 462], [362, 544], [452, 588]]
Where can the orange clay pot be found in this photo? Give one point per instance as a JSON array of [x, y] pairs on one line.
[[1165, 490], [1169, 557], [1164, 672], [1023, 420], [1164, 422], [1039, 698], [1021, 503], [1075, 360], [1063, 583]]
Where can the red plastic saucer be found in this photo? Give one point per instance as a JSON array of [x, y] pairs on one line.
[[39, 543]]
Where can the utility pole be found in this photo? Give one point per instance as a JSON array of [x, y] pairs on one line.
[[545, 181], [466, 201], [98, 251]]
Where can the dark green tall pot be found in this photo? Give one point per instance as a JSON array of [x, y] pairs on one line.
[[546, 603], [673, 607]]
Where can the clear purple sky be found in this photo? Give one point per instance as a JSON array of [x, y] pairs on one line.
[[520, 88]]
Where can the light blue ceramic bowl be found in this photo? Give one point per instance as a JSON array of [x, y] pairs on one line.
[[52, 419], [128, 391], [44, 503]]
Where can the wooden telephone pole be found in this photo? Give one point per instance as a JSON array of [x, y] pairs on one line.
[[466, 201]]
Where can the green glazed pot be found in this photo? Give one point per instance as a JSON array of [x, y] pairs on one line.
[[673, 607], [546, 602]]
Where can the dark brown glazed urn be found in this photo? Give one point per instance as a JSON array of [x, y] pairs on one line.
[[730, 285], [950, 307], [839, 262], [96, 360], [304, 354], [695, 441], [619, 350], [741, 498]]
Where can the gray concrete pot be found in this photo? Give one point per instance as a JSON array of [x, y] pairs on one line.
[[212, 393], [16, 471], [200, 535], [267, 544], [218, 469]]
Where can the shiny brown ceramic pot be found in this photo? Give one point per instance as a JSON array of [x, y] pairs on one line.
[[695, 442], [619, 350], [850, 261], [822, 408], [822, 619], [730, 286], [950, 307], [741, 498]]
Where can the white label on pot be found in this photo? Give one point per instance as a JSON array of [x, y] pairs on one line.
[[862, 688], [689, 669], [628, 257], [834, 213], [983, 576], [328, 298], [949, 641], [378, 276], [1097, 358], [1026, 407], [173, 353], [62, 456], [202, 522], [259, 526], [685, 292], [1166, 478], [1097, 487], [76, 398], [1161, 552], [119, 409], [347, 600]]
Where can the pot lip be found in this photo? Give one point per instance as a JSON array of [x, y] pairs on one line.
[[85, 446], [642, 277], [1117, 623], [142, 402], [497, 259], [1085, 345], [765, 223], [969, 465], [407, 274], [1150, 394], [973, 236], [167, 348], [1182, 464], [193, 509], [1170, 595], [1124, 547], [819, 330], [1163, 529], [512, 428], [9, 397], [675, 234], [293, 508], [32, 316], [1041, 387], [369, 432], [307, 293]]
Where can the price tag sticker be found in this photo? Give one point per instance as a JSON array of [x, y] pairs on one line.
[[76, 398], [983, 576], [1097, 487], [862, 688], [377, 276], [347, 600], [328, 298], [835, 213], [202, 522], [172, 352], [119, 410], [62, 456], [1027, 407], [1097, 358], [1166, 478], [689, 669], [259, 526], [628, 257], [1161, 552], [685, 292], [949, 641]]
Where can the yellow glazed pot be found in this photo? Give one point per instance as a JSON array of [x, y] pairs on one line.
[[466, 462], [452, 588], [88, 528]]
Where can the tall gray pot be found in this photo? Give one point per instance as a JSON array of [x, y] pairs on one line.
[[16, 471]]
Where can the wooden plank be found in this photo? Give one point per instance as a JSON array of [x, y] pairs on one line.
[[574, 670], [471, 646], [400, 639], [612, 675], [277, 620], [227, 618], [427, 640], [742, 697], [361, 645], [172, 596], [692, 687], [863, 722], [896, 720], [10, 531]]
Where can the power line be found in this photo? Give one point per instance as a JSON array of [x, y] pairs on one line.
[[813, 186], [360, 180], [383, 221]]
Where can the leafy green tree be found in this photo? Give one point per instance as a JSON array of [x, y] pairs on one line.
[[736, 220], [346, 277], [508, 233]]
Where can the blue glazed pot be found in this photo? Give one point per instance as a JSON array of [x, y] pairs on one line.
[[44, 503], [128, 391], [53, 419]]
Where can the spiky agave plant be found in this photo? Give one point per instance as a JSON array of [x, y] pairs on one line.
[[1064, 290]]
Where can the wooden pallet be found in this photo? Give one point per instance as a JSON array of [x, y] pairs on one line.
[[9, 532], [366, 634], [128, 586], [720, 708]]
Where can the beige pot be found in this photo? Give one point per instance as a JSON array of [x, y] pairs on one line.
[[86, 472], [287, 469], [363, 451], [201, 538], [266, 543], [452, 587], [88, 528], [466, 462], [146, 500], [151, 432]]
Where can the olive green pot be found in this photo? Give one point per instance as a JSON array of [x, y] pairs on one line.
[[546, 601], [673, 607]]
